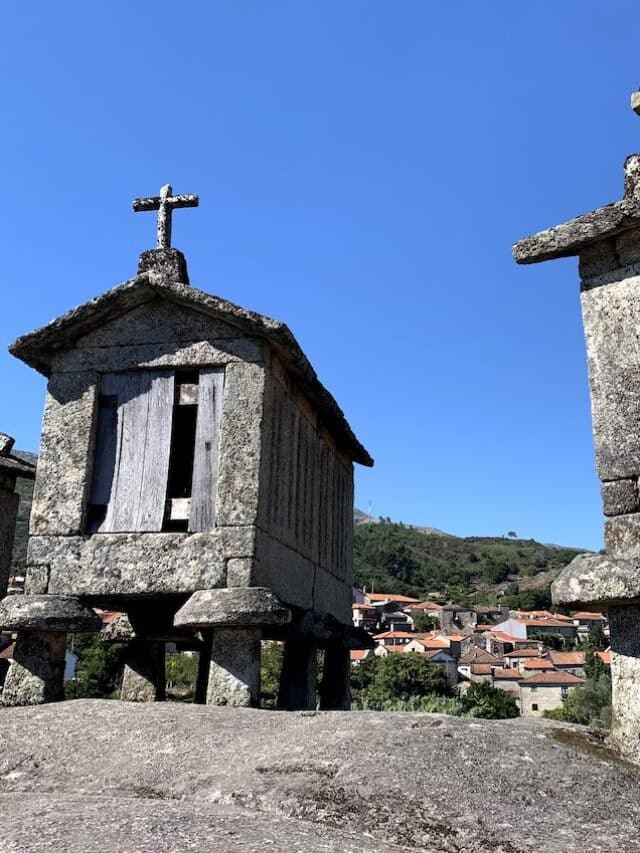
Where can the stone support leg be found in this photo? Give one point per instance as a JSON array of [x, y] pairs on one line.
[[624, 623], [335, 687], [298, 678], [234, 667], [204, 663], [36, 674], [143, 679]]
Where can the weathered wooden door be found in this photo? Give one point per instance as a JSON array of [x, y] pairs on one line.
[[136, 445]]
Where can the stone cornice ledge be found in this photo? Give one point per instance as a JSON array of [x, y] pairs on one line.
[[571, 237]]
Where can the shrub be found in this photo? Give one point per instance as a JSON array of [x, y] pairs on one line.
[[490, 703]]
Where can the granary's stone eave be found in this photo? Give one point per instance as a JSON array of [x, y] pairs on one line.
[[11, 465], [573, 236], [38, 348]]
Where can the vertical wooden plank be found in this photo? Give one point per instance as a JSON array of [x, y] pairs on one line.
[[156, 450], [205, 463], [131, 390]]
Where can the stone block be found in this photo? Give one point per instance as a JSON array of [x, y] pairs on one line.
[[622, 536], [598, 258], [65, 449], [283, 570], [628, 247], [242, 606], [36, 673], [234, 669], [596, 580], [241, 572], [620, 497], [118, 631], [164, 264], [240, 445], [46, 613], [611, 316], [37, 580], [112, 563]]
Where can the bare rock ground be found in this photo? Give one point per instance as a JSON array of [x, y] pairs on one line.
[[95, 775]]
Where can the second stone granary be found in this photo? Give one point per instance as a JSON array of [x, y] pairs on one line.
[[194, 473]]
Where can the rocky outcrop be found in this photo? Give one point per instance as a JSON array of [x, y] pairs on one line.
[[113, 775]]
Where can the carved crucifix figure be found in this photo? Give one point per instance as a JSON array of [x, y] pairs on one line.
[[164, 204]]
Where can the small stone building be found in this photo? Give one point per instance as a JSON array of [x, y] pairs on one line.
[[195, 474], [607, 243]]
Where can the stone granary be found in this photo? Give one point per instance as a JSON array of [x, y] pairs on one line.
[[195, 475], [11, 467], [607, 243]]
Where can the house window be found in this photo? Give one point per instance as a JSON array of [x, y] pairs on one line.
[[534, 707], [156, 451], [564, 692]]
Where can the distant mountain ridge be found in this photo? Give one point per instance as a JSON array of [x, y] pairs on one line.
[[360, 517]]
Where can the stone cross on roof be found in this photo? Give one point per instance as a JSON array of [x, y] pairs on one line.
[[164, 204]]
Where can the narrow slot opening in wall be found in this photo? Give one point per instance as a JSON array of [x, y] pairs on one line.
[[183, 438]]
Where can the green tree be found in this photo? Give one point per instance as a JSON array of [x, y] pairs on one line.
[[589, 705], [490, 703], [270, 669], [181, 672], [99, 668], [424, 623], [596, 638], [405, 676]]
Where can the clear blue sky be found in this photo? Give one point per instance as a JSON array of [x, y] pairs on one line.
[[363, 168]]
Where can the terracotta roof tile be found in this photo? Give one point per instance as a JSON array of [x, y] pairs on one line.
[[586, 615], [480, 669], [387, 596], [507, 674], [567, 658], [523, 653], [539, 664], [551, 678]]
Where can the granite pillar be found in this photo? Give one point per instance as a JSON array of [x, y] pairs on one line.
[[625, 677], [335, 687], [298, 677], [36, 673], [234, 667], [143, 679]]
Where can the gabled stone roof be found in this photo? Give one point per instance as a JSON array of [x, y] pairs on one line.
[[573, 236], [39, 347]]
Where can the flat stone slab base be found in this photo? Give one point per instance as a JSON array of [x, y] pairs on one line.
[[275, 775]]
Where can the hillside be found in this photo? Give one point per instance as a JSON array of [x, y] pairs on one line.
[[395, 558]]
